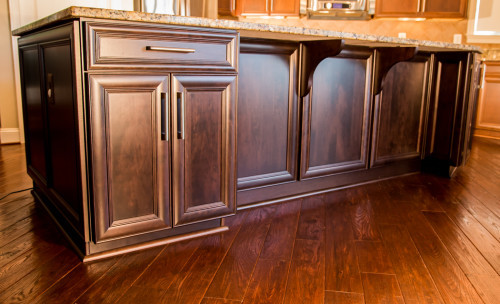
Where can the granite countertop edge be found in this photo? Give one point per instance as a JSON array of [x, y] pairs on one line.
[[86, 12]]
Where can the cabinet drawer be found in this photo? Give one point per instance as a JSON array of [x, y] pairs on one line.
[[114, 46]]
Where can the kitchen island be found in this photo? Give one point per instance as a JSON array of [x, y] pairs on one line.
[[143, 129]]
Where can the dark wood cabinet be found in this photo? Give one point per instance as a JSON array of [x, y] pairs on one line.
[[421, 9], [204, 146], [336, 115], [268, 129], [130, 155], [449, 108], [400, 111]]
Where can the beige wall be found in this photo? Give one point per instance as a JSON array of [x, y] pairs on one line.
[[424, 30], [8, 104]]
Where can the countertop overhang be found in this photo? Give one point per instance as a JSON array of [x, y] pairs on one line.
[[246, 29]]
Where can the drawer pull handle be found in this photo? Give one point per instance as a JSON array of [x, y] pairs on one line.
[[164, 116], [169, 49], [181, 113]]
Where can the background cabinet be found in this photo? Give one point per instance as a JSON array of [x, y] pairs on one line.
[[425, 9], [259, 7], [488, 108]]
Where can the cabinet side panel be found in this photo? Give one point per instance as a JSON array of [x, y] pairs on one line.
[[130, 146], [337, 112], [33, 114], [64, 156]]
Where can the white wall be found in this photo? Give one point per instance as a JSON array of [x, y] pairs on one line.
[[484, 21]]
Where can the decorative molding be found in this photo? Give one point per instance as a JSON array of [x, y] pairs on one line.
[[9, 136]]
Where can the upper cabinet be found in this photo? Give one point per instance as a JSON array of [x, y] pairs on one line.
[[421, 9], [259, 7]]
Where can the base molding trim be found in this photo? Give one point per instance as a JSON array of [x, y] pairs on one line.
[[9, 136]]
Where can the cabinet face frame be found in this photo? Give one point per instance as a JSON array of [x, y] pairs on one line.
[[100, 88], [265, 47], [490, 78], [184, 86], [308, 171], [421, 10], [375, 159]]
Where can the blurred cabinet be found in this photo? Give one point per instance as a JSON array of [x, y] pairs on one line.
[[421, 9], [259, 7], [488, 111]]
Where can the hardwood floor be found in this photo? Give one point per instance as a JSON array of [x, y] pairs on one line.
[[412, 239]]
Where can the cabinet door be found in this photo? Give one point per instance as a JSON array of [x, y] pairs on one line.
[[285, 7], [130, 154], [204, 174], [444, 8], [252, 7], [400, 111], [267, 113], [397, 8], [34, 113], [336, 115]]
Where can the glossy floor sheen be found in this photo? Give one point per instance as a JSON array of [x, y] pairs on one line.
[[413, 239]]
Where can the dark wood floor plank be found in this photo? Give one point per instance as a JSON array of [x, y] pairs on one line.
[[336, 297], [312, 218], [306, 279], [381, 288], [413, 277], [40, 279], [142, 294], [373, 257], [76, 282], [488, 287], [465, 253], [168, 265], [115, 282], [191, 284], [342, 272], [281, 235], [233, 276], [268, 282], [362, 216], [12, 218], [15, 202], [218, 301]]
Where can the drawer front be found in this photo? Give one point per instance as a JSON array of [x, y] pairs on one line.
[[120, 45]]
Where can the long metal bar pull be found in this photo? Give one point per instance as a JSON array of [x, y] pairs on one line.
[[169, 49], [181, 115], [164, 116]]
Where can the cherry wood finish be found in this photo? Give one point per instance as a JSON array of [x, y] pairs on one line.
[[117, 45], [267, 113], [259, 7], [131, 162], [417, 8], [400, 111], [447, 115], [428, 251], [335, 119], [204, 147]]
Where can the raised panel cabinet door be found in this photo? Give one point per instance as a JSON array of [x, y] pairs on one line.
[[204, 146], [336, 115], [285, 7], [446, 115], [34, 113], [267, 113], [397, 8], [252, 7], [399, 112], [444, 8], [129, 124]]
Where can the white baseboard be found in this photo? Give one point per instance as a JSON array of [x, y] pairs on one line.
[[9, 136]]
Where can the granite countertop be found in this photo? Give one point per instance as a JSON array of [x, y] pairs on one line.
[[245, 28]]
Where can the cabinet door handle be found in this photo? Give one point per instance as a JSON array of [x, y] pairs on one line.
[[164, 115], [181, 113], [169, 49], [50, 88]]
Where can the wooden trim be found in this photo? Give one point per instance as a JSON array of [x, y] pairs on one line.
[[151, 244]]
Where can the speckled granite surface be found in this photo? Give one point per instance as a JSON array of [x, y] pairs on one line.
[[77, 12], [491, 55]]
